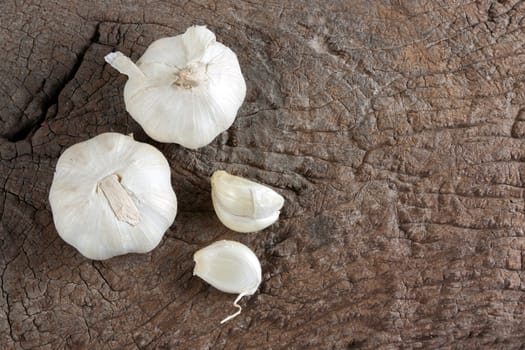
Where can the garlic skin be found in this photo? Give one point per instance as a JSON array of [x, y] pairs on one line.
[[231, 267], [112, 195], [243, 205], [184, 89]]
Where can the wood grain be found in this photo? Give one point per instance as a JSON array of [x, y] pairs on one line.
[[394, 130]]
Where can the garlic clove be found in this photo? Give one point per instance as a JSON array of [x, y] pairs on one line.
[[244, 224], [231, 267], [112, 195], [243, 205], [185, 89]]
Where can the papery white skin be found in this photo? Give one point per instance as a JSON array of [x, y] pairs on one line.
[[243, 205], [81, 212], [231, 267], [185, 89]]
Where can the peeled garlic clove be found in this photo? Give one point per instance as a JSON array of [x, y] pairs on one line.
[[185, 89], [243, 205], [112, 195], [231, 267]]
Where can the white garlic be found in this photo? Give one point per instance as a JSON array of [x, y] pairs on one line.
[[184, 89], [112, 195], [243, 205], [231, 267]]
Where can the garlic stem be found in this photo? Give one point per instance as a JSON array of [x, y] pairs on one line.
[[124, 65], [119, 200], [235, 303]]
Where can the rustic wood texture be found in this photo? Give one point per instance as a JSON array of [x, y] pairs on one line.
[[395, 131]]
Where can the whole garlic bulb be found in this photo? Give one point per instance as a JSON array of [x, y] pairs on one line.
[[184, 89], [112, 195], [231, 267], [243, 205]]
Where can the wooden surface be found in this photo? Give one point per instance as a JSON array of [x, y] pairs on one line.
[[395, 131]]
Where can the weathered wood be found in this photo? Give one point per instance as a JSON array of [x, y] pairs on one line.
[[395, 131]]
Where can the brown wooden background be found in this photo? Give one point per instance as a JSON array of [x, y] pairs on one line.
[[394, 129]]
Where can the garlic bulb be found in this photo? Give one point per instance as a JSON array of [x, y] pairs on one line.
[[184, 89], [231, 267], [243, 205], [112, 195]]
